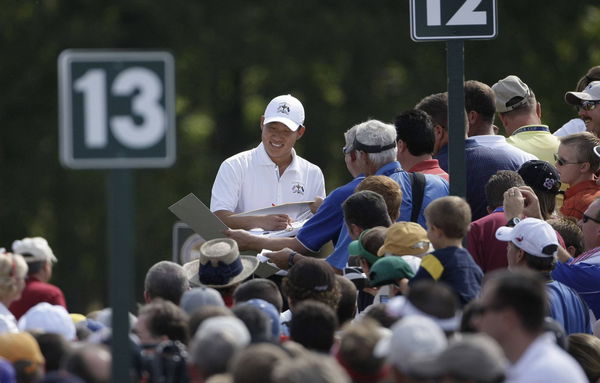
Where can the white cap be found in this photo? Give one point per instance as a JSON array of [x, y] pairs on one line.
[[37, 246], [48, 318], [531, 235], [286, 109], [413, 338], [590, 93]]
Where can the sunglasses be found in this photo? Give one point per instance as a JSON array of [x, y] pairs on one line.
[[586, 218], [587, 105], [346, 150], [563, 162]]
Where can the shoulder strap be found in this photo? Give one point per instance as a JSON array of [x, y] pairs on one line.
[[417, 191]]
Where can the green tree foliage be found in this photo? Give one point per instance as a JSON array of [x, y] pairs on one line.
[[347, 61]]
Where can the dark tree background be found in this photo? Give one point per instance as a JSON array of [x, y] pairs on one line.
[[346, 60]]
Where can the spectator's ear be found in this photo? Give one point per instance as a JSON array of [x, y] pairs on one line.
[[354, 230], [520, 256]]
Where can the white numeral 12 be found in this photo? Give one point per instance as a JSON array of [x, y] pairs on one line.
[[145, 103], [466, 14]]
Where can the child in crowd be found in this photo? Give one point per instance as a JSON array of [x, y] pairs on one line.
[[448, 220], [577, 164]]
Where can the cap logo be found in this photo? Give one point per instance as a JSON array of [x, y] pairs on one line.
[[283, 108], [298, 188], [549, 183], [519, 239], [321, 288]]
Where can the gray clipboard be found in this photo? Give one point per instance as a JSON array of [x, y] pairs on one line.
[[192, 211]]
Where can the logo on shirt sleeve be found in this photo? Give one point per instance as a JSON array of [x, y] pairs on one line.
[[298, 188]]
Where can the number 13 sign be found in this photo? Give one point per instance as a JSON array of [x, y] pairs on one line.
[[452, 19], [116, 109]]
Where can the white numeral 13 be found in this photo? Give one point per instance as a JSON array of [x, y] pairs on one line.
[[145, 103]]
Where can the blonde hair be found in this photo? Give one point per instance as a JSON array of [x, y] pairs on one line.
[[12, 267]]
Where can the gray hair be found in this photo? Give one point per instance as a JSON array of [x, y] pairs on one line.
[[349, 138], [216, 343], [166, 280], [374, 132], [315, 368]]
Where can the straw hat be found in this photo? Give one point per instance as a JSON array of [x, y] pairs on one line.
[[220, 264]]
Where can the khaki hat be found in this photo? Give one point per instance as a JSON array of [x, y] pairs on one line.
[[220, 264], [20, 346], [510, 93], [590, 93], [405, 238]]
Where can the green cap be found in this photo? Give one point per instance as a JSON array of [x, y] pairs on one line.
[[356, 248], [388, 270]]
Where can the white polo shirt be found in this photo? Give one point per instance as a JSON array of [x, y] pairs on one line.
[[545, 362], [250, 180]]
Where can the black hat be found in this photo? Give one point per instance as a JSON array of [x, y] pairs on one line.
[[540, 176]]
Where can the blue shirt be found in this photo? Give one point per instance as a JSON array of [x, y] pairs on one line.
[[455, 267], [435, 187], [481, 162], [584, 278], [567, 308], [326, 224]]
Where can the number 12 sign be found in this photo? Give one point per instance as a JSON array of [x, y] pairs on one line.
[[116, 109], [453, 19]]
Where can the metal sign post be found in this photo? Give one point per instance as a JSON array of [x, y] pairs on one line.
[[117, 112], [454, 21]]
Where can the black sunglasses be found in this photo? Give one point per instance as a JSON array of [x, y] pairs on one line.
[[585, 218], [587, 105], [563, 162]]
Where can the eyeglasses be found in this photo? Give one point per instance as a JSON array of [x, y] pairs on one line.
[[563, 162], [587, 105], [586, 218]]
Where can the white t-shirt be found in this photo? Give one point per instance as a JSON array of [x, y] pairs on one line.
[[250, 180], [545, 362], [497, 141], [8, 322]]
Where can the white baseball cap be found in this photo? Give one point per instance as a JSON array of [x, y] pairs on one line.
[[286, 109], [531, 235], [590, 93], [34, 249], [413, 338]]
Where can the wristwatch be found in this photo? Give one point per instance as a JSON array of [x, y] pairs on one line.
[[291, 258], [513, 222]]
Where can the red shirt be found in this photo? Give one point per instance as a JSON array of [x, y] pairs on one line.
[[430, 167], [578, 197], [36, 292], [487, 251]]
